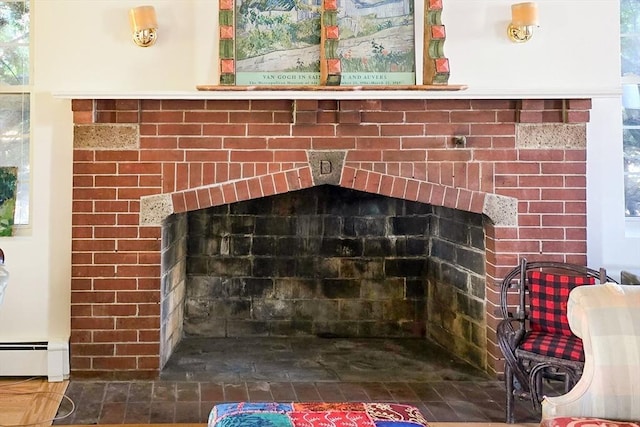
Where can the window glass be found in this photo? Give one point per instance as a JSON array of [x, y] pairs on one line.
[[14, 146], [630, 64], [14, 98], [14, 43]]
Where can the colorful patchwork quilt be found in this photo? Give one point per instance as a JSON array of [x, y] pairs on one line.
[[350, 414]]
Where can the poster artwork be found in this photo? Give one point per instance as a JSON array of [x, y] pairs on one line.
[[278, 42]]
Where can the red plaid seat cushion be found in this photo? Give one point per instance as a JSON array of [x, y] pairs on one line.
[[553, 345], [548, 296]]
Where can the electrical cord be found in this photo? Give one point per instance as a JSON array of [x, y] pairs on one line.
[[3, 390]]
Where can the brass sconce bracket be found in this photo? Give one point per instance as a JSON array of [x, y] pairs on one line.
[[520, 34], [146, 37]]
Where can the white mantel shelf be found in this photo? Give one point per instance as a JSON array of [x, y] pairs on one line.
[[343, 93]]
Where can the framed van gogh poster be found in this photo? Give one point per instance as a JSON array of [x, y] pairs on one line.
[[326, 42]]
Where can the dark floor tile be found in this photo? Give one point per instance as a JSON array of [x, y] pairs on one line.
[[137, 413], [163, 392], [259, 391], [424, 410], [187, 412], [494, 412], [93, 392], [113, 413], [473, 392], [524, 412], [377, 392], [401, 392], [116, 392], [187, 392], [354, 392], [448, 391], [282, 391], [66, 410], [468, 411], [74, 390], [162, 412], [213, 392], [306, 392], [495, 390], [236, 392], [87, 412], [426, 392], [330, 392], [140, 391], [442, 412]]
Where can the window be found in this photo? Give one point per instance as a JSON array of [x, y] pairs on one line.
[[15, 97], [630, 60]]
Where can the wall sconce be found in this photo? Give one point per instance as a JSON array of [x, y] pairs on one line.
[[144, 25], [524, 16]]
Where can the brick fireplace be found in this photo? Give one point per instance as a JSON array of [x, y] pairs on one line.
[[514, 169]]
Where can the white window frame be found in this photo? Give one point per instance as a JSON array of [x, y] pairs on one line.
[[21, 226]]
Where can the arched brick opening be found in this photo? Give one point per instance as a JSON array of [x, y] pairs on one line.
[[329, 169]]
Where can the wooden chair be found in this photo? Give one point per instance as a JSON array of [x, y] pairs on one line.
[[535, 331]]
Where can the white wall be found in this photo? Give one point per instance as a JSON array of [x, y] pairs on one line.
[[85, 46]]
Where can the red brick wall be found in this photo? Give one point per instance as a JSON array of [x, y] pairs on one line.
[[208, 152]]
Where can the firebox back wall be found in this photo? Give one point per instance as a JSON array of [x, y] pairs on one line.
[[323, 261]]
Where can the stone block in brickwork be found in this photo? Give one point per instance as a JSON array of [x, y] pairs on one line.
[[230, 266], [362, 268], [247, 328], [405, 267], [342, 247], [335, 328], [377, 247], [351, 309], [288, 328], [389, 288], [268, 309], [365, 226], [316, 310], [470, 259], [106, 137], [471, 307], [240, 245], [416, 289], [410, 226], [275, 226], [401, 310], [340, 288], [551, 136]]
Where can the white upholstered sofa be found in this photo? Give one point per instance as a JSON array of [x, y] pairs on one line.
[[607, 318]]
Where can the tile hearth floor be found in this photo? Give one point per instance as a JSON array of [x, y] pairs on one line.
[[203, 372]]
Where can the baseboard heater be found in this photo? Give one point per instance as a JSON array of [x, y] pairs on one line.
[[34, 359]]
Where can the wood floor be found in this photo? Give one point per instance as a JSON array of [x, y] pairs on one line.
[[29, 401]]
